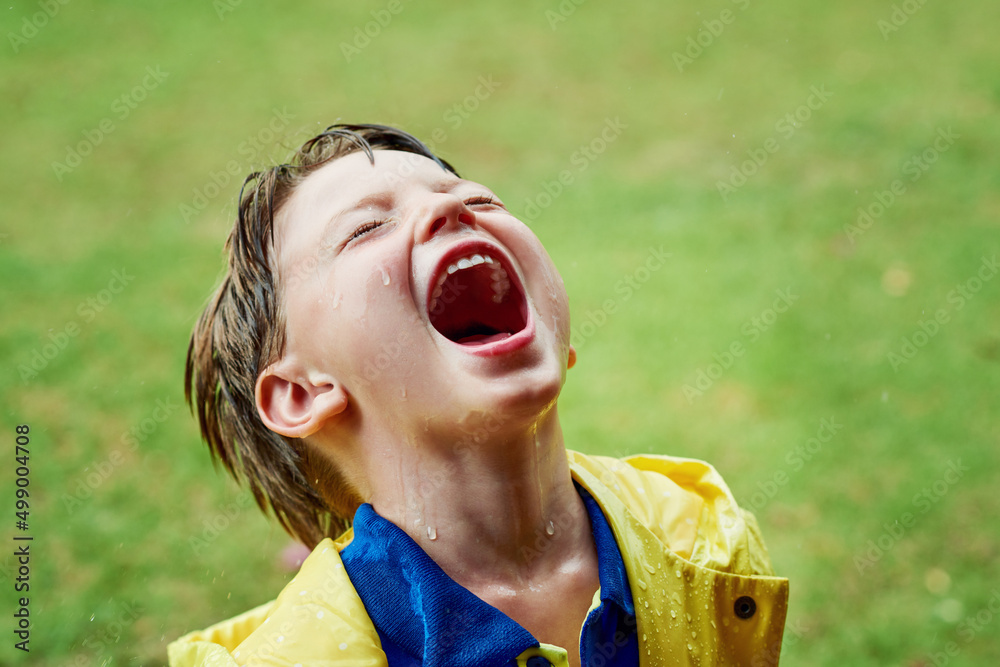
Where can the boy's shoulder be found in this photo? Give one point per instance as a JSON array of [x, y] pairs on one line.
[[317, 613], [682, 505]]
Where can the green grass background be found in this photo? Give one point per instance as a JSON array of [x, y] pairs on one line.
[[114, 577]]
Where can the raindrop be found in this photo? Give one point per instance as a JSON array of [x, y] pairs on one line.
[[432, 533], [385, 277], [550, 529], [642, 584]]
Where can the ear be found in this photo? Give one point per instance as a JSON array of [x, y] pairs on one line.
[[294, 404], [572, 357]]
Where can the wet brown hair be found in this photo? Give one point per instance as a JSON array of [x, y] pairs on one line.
[[242, 332]]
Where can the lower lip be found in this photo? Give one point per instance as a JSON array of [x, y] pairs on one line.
[[505, 346]]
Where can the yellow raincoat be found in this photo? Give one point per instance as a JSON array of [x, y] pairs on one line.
[[697, 567]]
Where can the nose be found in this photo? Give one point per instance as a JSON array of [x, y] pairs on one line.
[[442, 212]]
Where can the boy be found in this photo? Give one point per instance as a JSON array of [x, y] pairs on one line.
[[388, 345]]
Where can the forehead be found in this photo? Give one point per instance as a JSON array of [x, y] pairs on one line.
[[347, 180], [348, 183]]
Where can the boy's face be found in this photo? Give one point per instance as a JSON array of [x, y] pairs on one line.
[[420, 294]]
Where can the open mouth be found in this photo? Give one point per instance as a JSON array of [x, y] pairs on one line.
[[475, 301]]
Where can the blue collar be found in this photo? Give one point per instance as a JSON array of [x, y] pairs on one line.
[[424, 617]]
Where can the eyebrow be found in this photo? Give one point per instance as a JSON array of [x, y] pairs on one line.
[[381, 200]]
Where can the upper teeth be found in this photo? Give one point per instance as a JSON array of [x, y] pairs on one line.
[[500, 285]]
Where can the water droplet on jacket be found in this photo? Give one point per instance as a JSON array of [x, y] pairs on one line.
[[649, 568], [642, 584], [673, 614]]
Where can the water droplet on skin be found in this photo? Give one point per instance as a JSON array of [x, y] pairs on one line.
[[550, 529], [432, 533], [385, 277]]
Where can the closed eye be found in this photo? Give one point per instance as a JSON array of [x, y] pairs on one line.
[[482, 200], [365, 228]]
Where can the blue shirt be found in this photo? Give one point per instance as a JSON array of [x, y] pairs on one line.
[[425, 619]]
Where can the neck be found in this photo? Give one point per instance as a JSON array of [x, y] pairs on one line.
[[499, 512]]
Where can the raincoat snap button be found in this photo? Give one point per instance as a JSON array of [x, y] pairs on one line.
[[538, 661], [745, 607]]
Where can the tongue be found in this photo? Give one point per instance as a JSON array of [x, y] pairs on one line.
[[482, 339]]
